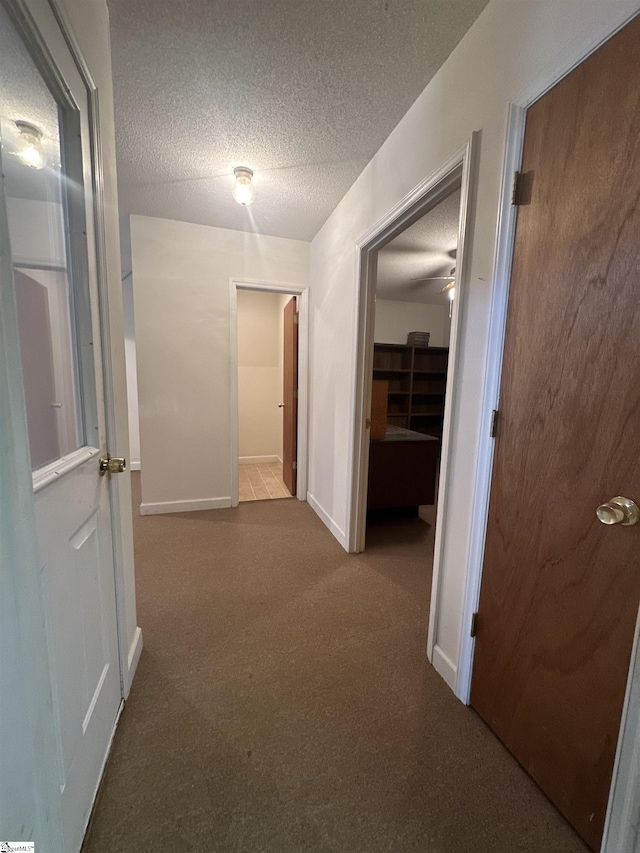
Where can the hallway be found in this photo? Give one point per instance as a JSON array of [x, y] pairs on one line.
[[283, 702]]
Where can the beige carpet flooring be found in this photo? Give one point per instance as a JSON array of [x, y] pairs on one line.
[[283, 702]]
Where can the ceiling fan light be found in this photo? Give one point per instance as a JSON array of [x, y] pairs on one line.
[[29, 148], [243, 190]]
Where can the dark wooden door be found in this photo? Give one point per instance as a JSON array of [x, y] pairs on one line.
[[560, 590], [290, 396]]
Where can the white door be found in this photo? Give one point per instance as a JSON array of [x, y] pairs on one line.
[[46, 164]]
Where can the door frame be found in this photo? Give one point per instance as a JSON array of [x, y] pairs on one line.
[[302, 454], [620, 831], [459, 168]]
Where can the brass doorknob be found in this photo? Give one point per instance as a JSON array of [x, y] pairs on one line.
[[112, 465], [619, 510]]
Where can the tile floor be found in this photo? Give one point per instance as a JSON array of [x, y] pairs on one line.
[[262, 482]]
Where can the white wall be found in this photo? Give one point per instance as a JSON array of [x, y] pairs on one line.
[[130, 344], [259, 376], [37, 232], [514, 47], [395, 319], [181, 275]]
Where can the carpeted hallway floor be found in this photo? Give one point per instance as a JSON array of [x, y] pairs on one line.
[[283, 703]]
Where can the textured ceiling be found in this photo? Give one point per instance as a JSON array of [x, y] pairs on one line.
[[302, 91], [426, 248]]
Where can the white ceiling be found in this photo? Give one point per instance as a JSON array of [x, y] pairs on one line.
[[302, 91], [426, 248]]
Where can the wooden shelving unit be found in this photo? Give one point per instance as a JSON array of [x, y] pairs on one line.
[[417, 378]]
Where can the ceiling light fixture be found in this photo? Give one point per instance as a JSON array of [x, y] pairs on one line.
[[243, 191], [29, 148]]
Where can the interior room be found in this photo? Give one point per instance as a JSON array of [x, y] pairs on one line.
[[198, 202], [415, 289]]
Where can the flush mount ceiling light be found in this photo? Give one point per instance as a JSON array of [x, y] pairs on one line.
[[29, 148], [243, 191]]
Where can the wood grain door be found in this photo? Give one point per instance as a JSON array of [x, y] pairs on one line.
[[560, 590], [290, 396]]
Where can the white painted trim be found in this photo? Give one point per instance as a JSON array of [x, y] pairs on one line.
[[622, 825], [257, 460], [327, 520], [443, 666], [135, 650], [302, 292], [493, 373], [444, 513], [64, 465], [184, 506], [422, 198], [134, 466]]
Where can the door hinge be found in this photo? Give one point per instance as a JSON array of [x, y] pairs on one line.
[[474, 624], [522, 186], [493, 429], [295, 319], [295, 466]]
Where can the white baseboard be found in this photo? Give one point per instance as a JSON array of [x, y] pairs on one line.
[[327, 520], [257, 460], [184, 506], [444, 667], [135, 650], [134, 466]]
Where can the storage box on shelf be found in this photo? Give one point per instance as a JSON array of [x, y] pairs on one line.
[[417, 378]]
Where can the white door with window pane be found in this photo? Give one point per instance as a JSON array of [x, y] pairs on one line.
[[46, 166]]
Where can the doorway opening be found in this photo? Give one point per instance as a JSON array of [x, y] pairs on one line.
[[415, 291], [267, 363], [448, 187], [268, 391]]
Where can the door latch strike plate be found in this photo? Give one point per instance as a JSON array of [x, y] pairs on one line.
[[474, 625], [494, 423], [522, 188]]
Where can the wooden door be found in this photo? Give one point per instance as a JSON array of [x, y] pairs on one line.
[[290, 396], [560, 590]]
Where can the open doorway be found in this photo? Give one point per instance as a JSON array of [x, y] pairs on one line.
[[453, 177], [415, 290], [267, 394], [269, 357]]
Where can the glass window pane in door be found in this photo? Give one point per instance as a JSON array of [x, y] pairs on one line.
[[36, 197]]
